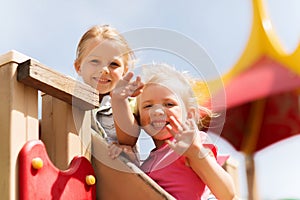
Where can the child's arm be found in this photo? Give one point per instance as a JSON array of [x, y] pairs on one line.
[[189, 143], [215, 177], [126, 126]]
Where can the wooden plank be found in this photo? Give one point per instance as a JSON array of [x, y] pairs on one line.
[[119, 178], [57, 85], [65, 131]]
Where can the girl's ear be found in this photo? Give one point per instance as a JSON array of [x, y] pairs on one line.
[[192, 113], [77, 67]]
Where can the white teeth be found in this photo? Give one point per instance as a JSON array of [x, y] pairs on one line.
[[159, 124], [101, 80]]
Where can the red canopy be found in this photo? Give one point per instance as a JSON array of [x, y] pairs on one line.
[[265, 78], [263, 106]]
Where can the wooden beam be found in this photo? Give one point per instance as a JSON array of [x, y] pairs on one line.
[[40, 77]]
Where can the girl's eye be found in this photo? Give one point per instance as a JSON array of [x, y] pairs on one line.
[[95, 62], [147, 106], [169, 105], [114, 64]]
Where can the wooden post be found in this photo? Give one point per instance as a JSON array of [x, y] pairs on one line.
[[66, 105], [252, 131], [251, 178], [18, 121]]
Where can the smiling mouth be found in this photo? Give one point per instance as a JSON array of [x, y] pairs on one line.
[[102, 81], [158, 125]]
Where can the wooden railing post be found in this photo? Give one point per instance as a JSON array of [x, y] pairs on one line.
[[18, 120], [66, 105]]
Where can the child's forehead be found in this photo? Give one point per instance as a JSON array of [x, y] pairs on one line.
[[104, 49], [104, 44]]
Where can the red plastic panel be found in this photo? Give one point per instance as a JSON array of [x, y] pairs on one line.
[[48, 182]]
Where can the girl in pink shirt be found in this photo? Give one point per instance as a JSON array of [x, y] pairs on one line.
[[167, 110]]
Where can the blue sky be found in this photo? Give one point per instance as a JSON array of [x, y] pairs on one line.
[[50, 30]]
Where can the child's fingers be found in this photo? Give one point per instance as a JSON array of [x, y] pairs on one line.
[[136, 93], [171, 144], [138, 79], [128, 76], [181, 126], [190, 125], [137, 87], [193, 124], [171, 130], [176, 124], [177, 135], [140, 86], [138, 82], [114, 151]]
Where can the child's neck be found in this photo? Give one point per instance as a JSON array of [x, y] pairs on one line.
[[160, 143]]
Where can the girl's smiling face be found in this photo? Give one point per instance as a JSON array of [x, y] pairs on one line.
[[156, 104], [103, 66]]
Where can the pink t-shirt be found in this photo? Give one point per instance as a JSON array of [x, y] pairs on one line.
[[168, 169]]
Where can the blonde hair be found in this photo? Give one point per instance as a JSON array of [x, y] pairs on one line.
[[179, 83], [100, 33]]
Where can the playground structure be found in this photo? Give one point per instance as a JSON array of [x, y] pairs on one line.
[[62, 132], [51, 157]]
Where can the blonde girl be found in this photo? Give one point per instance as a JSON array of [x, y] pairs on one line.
[[182, 162]]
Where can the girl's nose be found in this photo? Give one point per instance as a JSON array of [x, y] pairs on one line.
[[104, 70], [157, 110]]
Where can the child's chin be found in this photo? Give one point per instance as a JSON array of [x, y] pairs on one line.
[[163, 136], [159, 130]]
